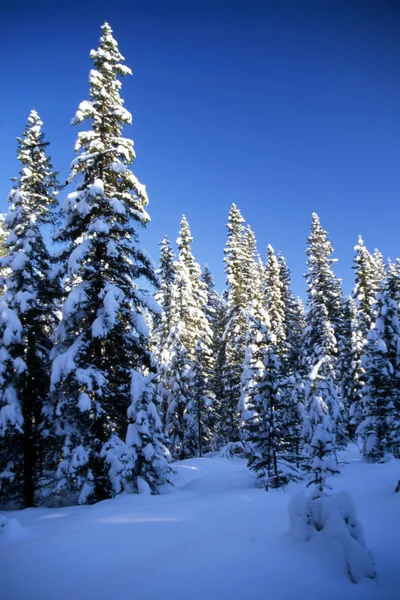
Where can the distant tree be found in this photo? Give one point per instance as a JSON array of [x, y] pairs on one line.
[[294, 322], [240, 265], [164, 323], [369, 271], [267, 420], [350, 369], [319, 355], [380, 427], [190, 295]]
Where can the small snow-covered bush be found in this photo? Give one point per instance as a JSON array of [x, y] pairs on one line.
[[333, 518], [11, 530], [232, 450]]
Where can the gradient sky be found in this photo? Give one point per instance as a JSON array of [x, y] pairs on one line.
[[284, 108]]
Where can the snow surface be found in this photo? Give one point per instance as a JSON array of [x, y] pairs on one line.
[[214, 535]]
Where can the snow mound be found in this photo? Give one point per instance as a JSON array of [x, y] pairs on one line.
[[332, 520], [11, 530]]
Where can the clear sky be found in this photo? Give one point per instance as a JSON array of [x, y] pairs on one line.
[[282, 107]]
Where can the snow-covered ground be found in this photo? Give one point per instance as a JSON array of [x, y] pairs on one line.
[[213, 536]]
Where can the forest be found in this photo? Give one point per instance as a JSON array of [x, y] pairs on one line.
[[111, 369]]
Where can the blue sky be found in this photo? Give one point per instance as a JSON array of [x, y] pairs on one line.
[[284, 108]]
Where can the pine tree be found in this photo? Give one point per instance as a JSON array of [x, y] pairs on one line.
[[191, 293], [28, 315], [164, 323], [349, 366], [380, 427], [103, 335], [145, 438], [368, 272], [294, 322], [219, 371], [367, 283], [3, 249], [319, 362], [324, 281], [240, 265], [190, 298], [380, 267], [201, 407], [274, 301], [268, 417], [178, 425]]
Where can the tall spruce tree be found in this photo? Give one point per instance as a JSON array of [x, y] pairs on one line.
[[103, 334], [293, 323], [164, 323], [190, 299], [274, 301], [380, 427], [368, 274], [269, 430], [28, 316], [322, 406], [239, 266]]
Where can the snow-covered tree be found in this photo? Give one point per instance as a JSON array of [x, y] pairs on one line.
[[201, 407], [380, 267], [3, 249], [380, 427], [190, 295], [274, 301], [240, 264], [369, 272], [219, 371], [350, 369], [269, 432], [367, 282], [27, 318], [179, 424], [145, 438], [321, 280], [294, 322], [163, 323], [103, 334], [319, 344]]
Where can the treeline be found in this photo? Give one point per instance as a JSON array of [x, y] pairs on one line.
[[102, 384]]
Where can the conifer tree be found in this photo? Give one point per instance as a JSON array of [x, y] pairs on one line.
[[368, 272], [293, 318], [367, 283], [269, 431], [145, 438], [179, 424], [239, 266], [380, 267], [190, 299], [3, 249], [219, 371], [28, 316], [380, 427], [350, 369], [324, 281], [201, 407], [103, 335], [274, 301], [319, 341], [191, 293], [164, 323]]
